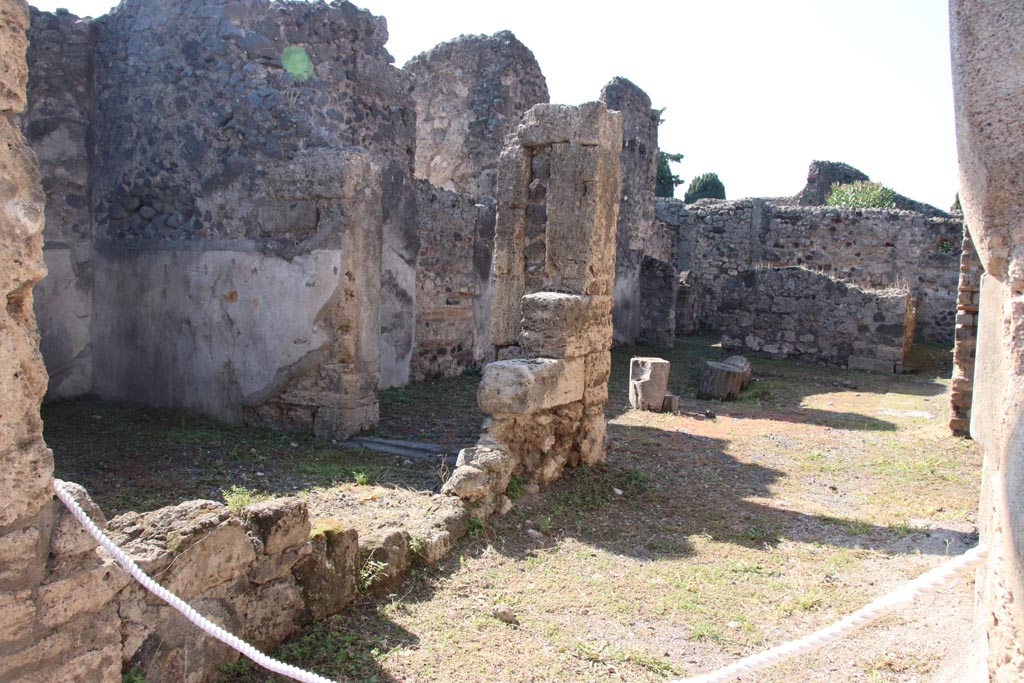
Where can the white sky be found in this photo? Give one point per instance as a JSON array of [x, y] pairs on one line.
[[752, 89]]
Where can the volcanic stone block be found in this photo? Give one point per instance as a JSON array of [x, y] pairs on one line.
[[526, 386], [743, 365], [559, 325], [648, 383], [722, 381]]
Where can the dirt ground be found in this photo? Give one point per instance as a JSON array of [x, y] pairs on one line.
[[710, 534]]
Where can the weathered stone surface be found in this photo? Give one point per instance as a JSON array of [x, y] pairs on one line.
[[530, 385], [86, 591], [720, 381], [635, 231], [14, 20], [559, 325], [801, 314], [384, 559], [589, 124], [279, 523], [162, 542], [869, 248], [987, 89], [470, 93], [328, 576], [648, 383], [480, 470], [453, 283], [56, 124], [273, 613], [69, 537], [657, 307], [744, 367], [966, 338]]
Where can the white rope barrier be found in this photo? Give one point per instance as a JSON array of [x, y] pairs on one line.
[[927, 582], [177, 603]]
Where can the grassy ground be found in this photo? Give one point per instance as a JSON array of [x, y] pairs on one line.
[[703, 539]]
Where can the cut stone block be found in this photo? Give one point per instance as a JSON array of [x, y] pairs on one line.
[[648, 383], [720, 381], [524, 386], [557, 325], [743, 365]]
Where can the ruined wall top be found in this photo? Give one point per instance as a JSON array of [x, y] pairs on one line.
[[197, 102], [470, 93], [823, 174]]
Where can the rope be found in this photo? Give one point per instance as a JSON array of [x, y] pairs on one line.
[[177, 603], [927, 582]]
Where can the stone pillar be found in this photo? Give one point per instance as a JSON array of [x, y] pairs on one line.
[[988, 88], [554, 259], [636, 226], [966, 338], [59, 621]]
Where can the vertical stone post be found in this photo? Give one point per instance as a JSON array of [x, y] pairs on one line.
[[988, 88], [554, 261], [59, 622], [966, 338]]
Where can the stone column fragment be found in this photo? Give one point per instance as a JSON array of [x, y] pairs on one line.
[[554, 259]]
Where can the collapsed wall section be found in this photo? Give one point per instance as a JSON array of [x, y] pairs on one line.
[[553, 269], [807, 316], [453, 283], [59, 623], [470, 93], [56, 124], [870, 248]]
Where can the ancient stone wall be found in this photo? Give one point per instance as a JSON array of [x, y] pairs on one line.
[[56, 124], [212, 145], [259, 574], [966, 338], [470, 93], [59, 623], [988, 89], [658, 289], [453, 283], [554, 265], [807, 316], [636, 233], [870, 248]]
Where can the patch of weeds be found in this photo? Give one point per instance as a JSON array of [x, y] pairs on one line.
[[337, 653], [516, 487], [133, 676], [237, 497], [417, 546], [545, 526], [605, 653], [363, 477], [240, 670], [477, 527], [369, 573], [855, 527], [705, 630]]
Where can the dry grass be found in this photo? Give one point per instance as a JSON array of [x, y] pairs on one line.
[[702, 540]]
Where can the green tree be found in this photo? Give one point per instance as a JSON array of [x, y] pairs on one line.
[[666, 181], [706, 186]]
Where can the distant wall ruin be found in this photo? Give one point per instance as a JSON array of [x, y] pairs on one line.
[[807, 316], [965, 338], [470, 93], [871, 248]]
